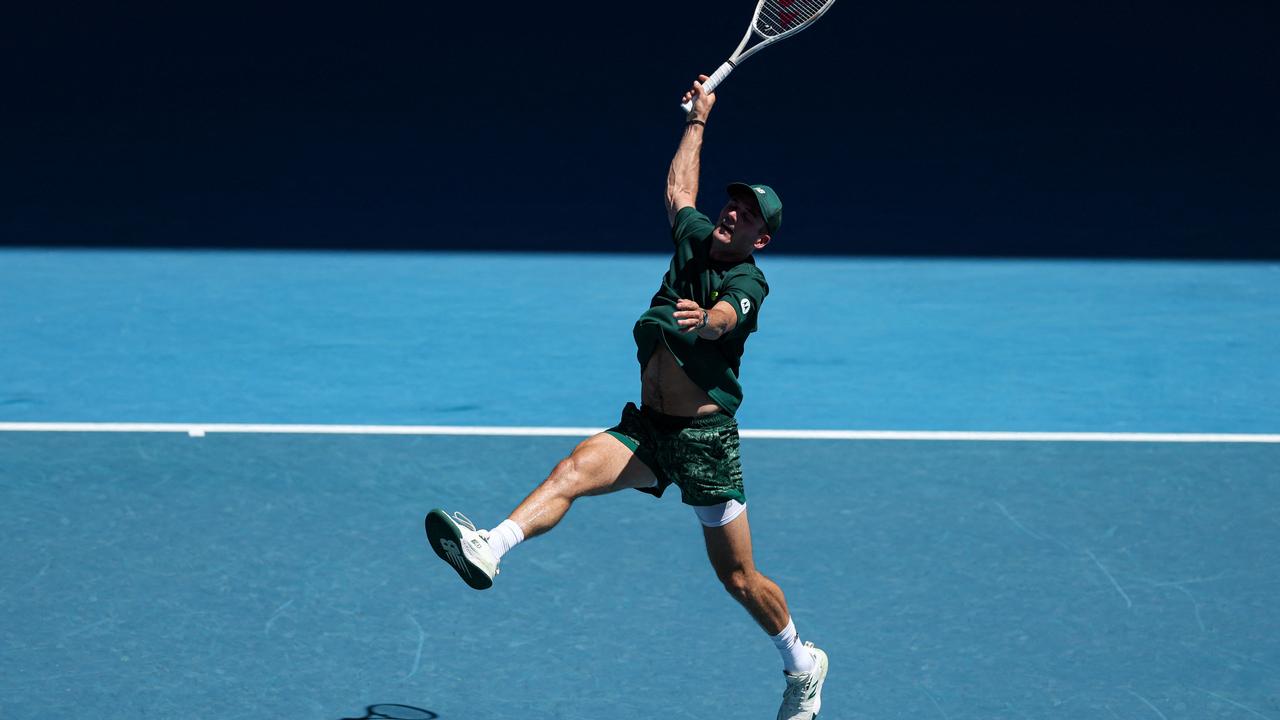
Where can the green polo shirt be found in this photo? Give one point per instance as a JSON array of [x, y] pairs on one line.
[[711, 364]]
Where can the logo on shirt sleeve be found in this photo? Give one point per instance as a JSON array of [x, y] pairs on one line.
[[746, 305]]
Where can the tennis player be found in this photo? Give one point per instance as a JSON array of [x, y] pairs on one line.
[[690, 342]]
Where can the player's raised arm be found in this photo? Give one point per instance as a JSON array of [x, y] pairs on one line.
[[682, 177]]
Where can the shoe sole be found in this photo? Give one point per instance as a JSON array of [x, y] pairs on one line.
[[440, 529]]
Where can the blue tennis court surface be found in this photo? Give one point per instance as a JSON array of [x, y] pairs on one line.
[[247, 575], [545, 340]]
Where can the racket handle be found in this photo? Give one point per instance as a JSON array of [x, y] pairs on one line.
[[712, 83]]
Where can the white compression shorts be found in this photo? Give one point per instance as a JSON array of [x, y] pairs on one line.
[[715, 515], [719, 515]]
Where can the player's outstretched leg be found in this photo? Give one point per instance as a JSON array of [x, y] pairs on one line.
[[598, 465], [804, 666]]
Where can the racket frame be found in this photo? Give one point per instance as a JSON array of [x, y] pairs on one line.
[[738, 56]]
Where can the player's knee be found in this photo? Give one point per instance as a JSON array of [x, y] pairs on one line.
[[568, 476], [737, 582]]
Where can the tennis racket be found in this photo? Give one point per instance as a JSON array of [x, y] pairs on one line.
[[772, 21]]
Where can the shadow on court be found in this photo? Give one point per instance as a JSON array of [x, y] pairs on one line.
[[394, 711]]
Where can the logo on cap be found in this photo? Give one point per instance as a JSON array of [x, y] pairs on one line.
[[760, 190]]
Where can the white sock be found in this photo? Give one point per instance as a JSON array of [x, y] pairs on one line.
[[795, 658], [504, 537]]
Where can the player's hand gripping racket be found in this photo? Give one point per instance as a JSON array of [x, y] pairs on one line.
[[773, 21]]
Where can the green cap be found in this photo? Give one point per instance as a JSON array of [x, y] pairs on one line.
[[766, 198]]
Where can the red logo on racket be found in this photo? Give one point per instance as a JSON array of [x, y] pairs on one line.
[[786, 18]]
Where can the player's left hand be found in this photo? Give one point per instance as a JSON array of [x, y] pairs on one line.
[[689, 315]]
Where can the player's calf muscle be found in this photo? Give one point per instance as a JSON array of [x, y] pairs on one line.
[[762, 598]]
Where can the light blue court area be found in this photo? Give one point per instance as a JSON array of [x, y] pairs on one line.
[[250, 576], [241, 576], [545, 340]]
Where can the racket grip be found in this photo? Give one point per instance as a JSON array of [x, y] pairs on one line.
[[712, 83]]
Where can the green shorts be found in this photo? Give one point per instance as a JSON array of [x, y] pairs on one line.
[[699, 454]]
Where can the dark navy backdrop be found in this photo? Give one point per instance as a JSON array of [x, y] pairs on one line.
[[1104, 129]]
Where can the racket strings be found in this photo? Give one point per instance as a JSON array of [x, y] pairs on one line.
[[778, 17]]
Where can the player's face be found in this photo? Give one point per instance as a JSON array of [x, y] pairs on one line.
[[740, 230]]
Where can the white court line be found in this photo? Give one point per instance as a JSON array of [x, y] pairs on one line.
[[201, 429]]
